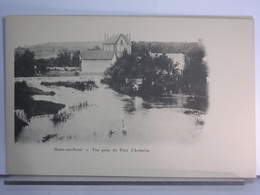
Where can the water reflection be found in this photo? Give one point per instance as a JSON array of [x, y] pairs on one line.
[[129, 106], [177, 101], [65, 114], [197, 103], [105, 116]]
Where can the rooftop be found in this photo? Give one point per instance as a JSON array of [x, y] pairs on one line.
[[114, 39]]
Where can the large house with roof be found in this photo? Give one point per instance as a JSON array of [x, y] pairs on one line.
[[97, 61], [118, 43]]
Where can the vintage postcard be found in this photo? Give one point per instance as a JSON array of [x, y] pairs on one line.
[[143, 96]]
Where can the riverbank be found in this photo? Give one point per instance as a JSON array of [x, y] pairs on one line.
[[79, 85], [65, 73], [26, 107], [106, 116], [159, 93]]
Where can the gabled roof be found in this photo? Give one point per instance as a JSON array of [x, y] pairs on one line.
[[114, 39], [97, 55]]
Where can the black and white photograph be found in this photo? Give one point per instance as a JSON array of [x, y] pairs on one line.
[[114, 95], [115, 90]]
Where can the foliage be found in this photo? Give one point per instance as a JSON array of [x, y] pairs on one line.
[[76, 59], [195, 72], [52, 48], [163, 47], [24, 64], [125, 67], [134, 66], [95, 48], [163, 63], [140, 64], [20, 122], [141, 47], [64, 58], [159, 73], [79, 85], [41, 65], [61, 117], [50, 62]]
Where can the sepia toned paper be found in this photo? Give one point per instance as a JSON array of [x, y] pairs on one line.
[[106, 132]]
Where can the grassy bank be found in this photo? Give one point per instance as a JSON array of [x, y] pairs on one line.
[[79, 85], [29, 107]]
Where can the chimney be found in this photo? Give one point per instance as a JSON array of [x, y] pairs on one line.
[[104, 36], [129, 36]]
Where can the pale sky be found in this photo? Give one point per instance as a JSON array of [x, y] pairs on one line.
[[32, 30]]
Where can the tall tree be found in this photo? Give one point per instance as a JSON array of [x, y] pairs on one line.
[[24, 64], [164, 63], [195, 72], [41, 65], [76, 59], [64, 58]]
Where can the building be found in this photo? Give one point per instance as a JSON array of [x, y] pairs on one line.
[[97, 61], [118, 43]]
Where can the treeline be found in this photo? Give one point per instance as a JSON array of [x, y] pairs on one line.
[[26, 65], [54, 48], [159, 73], [163, 47]]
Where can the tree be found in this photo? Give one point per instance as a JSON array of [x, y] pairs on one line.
[[163, 63], [96, 48], [140, 47], [147, 64], [159, 73], [64, 58], [126, 66], [76, 59], [195, 72], [41, 65], [24, 64]]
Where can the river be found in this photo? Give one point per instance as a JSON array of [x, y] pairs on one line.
[[110, 117]]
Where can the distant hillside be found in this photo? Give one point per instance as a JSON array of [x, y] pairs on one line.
[[48, 50], [164, 47]]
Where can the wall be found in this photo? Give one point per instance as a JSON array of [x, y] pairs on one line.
[[95, 66], [121, 47]]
